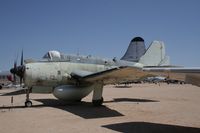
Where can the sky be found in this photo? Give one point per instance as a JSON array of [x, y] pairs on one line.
[[101, 28]]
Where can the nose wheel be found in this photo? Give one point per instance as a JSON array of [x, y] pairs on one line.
[[28, 104]]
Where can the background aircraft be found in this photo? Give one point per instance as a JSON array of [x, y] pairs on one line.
[[6, 78], [155, 79], [72, 77]]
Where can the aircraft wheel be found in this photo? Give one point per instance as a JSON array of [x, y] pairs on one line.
[[28, 104], [98, 102]]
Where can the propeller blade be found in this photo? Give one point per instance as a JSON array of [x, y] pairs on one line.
[[15, 64], [22, 57], [14, 71], [22, 67], [14, 76], [20, 81]]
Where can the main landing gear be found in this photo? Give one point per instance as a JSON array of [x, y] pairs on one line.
[[28, 103], [97, 102], [97, 99]]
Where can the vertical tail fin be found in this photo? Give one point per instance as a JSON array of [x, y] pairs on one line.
[[135, 50], [155, 55]]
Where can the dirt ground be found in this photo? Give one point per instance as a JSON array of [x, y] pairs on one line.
[[140, 108]]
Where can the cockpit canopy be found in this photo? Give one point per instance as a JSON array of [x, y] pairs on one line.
[[52, 55]]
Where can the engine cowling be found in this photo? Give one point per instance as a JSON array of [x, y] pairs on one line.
[[72, 92]]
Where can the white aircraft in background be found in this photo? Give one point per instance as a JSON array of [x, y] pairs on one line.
[[6, 78], [73, 77]]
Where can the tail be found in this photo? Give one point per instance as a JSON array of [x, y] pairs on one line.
[[135, 50], [155, 55]]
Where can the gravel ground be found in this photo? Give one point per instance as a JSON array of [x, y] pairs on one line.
[[138, 108]]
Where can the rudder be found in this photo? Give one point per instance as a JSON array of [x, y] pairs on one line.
[[155, 55], [135, 50]]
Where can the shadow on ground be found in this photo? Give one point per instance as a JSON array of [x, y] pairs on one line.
[[123, 86], [83, 109], [145, 127], [130, 100]]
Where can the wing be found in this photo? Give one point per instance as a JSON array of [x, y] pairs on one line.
[[127, 73], [114, 75]]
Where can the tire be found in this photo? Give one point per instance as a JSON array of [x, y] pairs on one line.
[[28, 104], [98, 102]]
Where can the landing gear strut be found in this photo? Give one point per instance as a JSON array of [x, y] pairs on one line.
[[28, 103], [97, 99]]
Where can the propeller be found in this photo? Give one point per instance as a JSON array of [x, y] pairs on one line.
[[22, 57], [18, 70], [15, 67], [22, 69]]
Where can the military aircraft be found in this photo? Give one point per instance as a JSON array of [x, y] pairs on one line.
[[5, 78], [73, 77]]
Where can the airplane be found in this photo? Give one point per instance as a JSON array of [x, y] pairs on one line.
[[155, 79], [73, 77], [5, 78]]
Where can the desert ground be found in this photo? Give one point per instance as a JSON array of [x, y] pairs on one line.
[[139, 108]]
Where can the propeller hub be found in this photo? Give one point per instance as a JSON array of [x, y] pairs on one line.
[[19, 70], [13, 70]]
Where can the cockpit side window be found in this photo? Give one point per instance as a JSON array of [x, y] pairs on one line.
[[47, 56], [52, 55]]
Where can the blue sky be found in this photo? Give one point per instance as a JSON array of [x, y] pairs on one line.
[[101, 28]]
